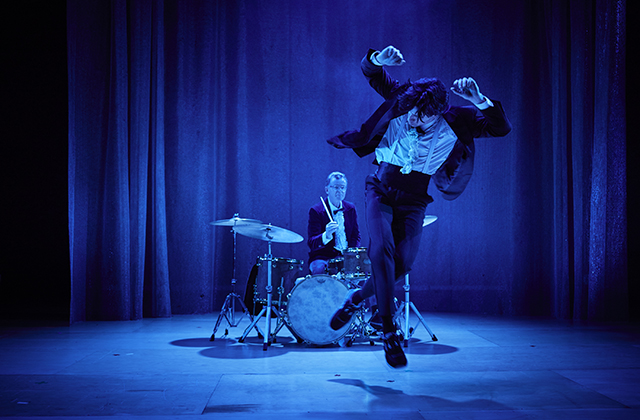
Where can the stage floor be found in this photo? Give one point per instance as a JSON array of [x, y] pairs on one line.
[[480, 368]]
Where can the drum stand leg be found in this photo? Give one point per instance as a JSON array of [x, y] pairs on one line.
[[272, 335], [254, 325], [406, 305], [360, 328], [280, 322], [228, 312]]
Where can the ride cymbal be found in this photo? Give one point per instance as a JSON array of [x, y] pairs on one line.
[[269, 233]]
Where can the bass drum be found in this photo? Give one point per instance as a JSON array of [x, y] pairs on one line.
[[310, 306]]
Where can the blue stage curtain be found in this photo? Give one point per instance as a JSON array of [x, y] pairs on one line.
[[587, 57], [185, 112], [117, 187]]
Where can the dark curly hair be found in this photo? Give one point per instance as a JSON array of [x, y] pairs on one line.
[[430, 96]]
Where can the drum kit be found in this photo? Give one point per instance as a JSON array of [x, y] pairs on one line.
[[304, 305]]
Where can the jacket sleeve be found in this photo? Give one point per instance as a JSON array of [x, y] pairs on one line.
[[315, 230], [360, 138], [452, 177], [492, 122], [378, 77], [366, 139]]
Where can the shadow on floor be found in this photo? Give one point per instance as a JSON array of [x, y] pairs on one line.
[[228, 348], [389, 398]]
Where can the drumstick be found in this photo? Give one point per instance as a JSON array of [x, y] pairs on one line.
[[327, 209]]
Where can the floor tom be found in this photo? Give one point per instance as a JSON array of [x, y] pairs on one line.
[[284, 271]]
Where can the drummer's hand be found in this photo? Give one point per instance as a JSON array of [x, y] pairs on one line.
[[331, 228]]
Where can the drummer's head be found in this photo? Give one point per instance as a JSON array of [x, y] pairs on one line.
[[336, 187]]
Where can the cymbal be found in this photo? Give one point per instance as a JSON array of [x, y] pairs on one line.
[[428, 219], [236, 221], [269, 233]]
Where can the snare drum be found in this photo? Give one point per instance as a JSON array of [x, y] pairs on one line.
[[335, 265], [356, 260], [283, 274], [310, 306]]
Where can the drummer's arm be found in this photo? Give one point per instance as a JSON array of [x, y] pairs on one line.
[[316, 231]]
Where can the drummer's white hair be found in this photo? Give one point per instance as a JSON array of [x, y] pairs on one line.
[[335, 175]]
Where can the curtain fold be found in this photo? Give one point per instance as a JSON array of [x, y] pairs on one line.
[[607, 281], [139, 35], [185, 112], [586, 57], [116, 161]]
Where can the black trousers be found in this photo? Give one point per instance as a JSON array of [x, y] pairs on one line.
[[395, 208]]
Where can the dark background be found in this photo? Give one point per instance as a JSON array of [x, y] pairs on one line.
[[35, 278], [34, 244]]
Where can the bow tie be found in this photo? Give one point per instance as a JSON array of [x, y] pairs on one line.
[[340, 209]]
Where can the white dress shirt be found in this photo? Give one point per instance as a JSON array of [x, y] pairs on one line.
[[340, 234]]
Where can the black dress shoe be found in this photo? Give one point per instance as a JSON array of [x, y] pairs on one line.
[[393, 351], [343, 315]]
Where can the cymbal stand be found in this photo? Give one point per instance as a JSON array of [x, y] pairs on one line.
[[266, 310], [228, 310], [406, 305]]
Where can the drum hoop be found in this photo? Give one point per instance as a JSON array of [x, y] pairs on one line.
[[357, 275], [313, 276], [279, 259], [356, 249]]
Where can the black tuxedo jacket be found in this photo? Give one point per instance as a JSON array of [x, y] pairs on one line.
[[318, 220], [467, 122]]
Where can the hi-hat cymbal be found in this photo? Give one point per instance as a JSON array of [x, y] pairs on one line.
[[428, 219], [236, 221], [269, 233]]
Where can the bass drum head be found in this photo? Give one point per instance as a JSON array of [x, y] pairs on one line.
[[311, 304]]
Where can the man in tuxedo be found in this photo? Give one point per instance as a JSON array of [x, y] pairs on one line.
[[328, 239], [415, 135]]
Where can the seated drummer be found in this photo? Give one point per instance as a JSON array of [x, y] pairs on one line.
[[329, 239]]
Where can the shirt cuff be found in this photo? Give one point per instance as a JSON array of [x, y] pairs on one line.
[[374, 60], [326, 240], [485, 104]]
